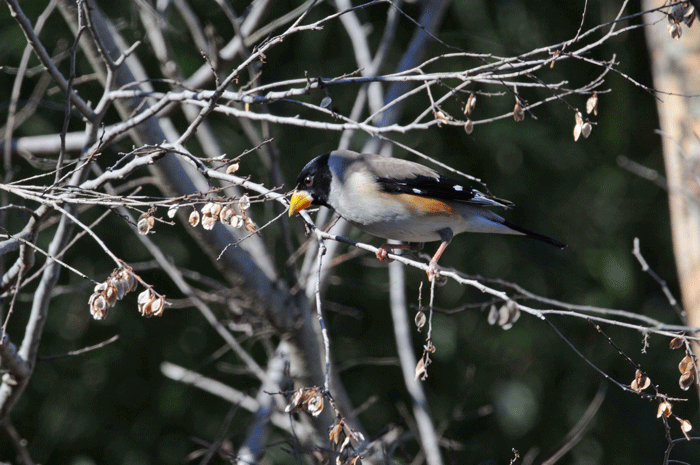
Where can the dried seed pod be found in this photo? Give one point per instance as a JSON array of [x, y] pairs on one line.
[[592, 104], [206, 209], [345, 443], [208, 222], [677, 13], [686, 364], [664, 409], [577, 132], [144, 297], [157, 306], [503, 316], [250, 225], [232, 168], [98, 307], [641, 381], [675, 31], [295, 402], [334, 434], [149, 303], [130, 279], [101, 287], [471, 103], [326, 102], [145, 309], [586, 129], [122, 287], [144, 225], [315, 405], [421, 370], [686, 380], [514, 311], [244, 203], [469, 126], [440, 116], [172, 211], [215, 210], [111, 295], [686, 426], [226, 213], [518, 112], [676, 343], [420, 319], [194, 218], [689, 16], [579, 125], [237, 221], [493, 315]]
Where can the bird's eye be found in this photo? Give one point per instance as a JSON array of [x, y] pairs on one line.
[[308, 181]]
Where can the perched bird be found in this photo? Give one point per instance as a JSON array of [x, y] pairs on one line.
[[401, 200]]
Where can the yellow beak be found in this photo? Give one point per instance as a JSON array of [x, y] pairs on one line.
[[299, 201]]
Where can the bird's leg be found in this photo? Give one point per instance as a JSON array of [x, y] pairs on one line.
[[383, 252], [446, 236]]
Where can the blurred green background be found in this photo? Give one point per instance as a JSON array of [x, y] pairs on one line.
[[114, 406]]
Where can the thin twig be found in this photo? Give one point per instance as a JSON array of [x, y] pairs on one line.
[[79, 351], [636, 251]]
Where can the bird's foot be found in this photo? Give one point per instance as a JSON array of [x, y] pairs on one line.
[[434, 274], [383, 254]]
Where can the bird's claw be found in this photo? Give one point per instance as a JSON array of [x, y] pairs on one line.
[[434, 275], [383, 255]]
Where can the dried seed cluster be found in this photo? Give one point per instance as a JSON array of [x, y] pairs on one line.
[[344, 441], [584, 127], [468, 108], [150, 303], [224, 212], [680, 13], [106, 294], [309, 400], [505, 316], [687, 366], [665, 410]]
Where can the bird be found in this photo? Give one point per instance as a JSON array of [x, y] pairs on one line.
[[402, 200]]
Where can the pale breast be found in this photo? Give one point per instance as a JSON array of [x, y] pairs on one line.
[[402, 217]]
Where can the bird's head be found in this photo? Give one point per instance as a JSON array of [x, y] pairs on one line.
[[313, 185]]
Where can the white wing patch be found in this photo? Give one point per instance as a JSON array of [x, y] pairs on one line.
[[458, 188], [417, 191]]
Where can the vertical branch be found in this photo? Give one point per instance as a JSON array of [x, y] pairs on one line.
[[319, 313], [404, 348], [69, 88]]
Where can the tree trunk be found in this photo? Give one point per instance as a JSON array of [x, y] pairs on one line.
[[676, 69]]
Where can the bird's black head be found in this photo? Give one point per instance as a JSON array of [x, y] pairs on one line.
[[313, 185]]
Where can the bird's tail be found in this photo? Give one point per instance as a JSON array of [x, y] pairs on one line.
[[534, 235]]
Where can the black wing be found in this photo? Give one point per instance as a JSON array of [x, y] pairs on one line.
[[442, 188]]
